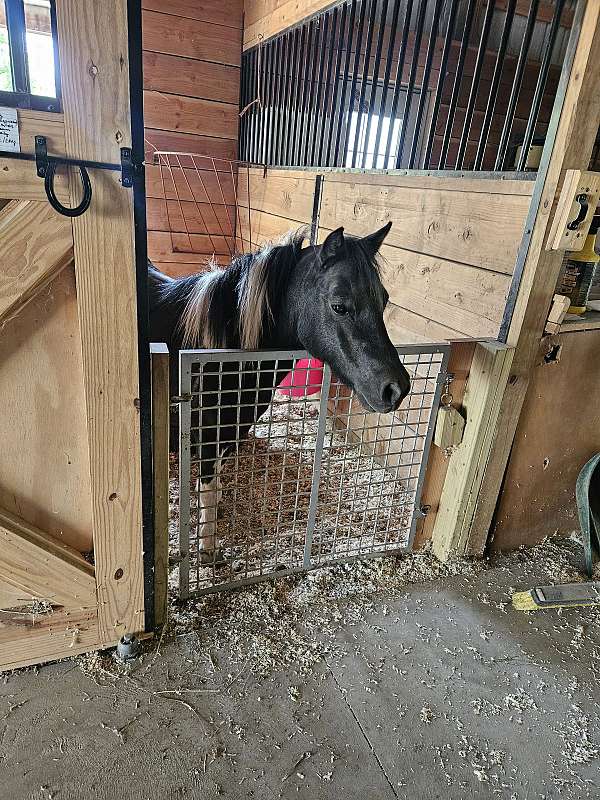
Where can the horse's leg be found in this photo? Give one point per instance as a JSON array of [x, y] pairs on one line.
[[209, 495]]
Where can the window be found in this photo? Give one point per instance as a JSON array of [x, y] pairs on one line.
[[28, 63]]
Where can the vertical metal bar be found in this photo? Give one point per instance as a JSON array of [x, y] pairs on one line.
[[185, 408], [364, 78], [325, 116], [308, 55], [344, 77], [317, 94], [242, 146], [17, 43], [335, 117], [497, 74], [481, 51], [440, 84], [289, 91], [394, 30], [316, 476], [253, 112], [268, 64], [464, 48], [296, 126], [280, 100], [428, 437], [375, 83], [273, 99], [411, 80], [540, 85], [516, 85], [398, 79], [431, 46], [316, 211], [357, 54], [261, 121]]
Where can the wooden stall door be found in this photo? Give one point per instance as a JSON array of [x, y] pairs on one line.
[[71, 556]]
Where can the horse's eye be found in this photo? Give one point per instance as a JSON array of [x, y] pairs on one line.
[[339, 309]]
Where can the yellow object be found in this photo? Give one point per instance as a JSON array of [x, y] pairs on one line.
[[579, 271], [565, 596]]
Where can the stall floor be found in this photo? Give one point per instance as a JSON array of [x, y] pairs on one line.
[[391, 679]]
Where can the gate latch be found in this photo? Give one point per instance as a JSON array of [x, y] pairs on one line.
[[574, 211]]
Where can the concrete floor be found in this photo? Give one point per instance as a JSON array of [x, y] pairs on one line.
[[434, 689]]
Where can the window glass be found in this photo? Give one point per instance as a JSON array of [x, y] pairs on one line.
[[6, 84], [40, 49]]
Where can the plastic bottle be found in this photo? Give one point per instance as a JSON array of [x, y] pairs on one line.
[[578, 271]]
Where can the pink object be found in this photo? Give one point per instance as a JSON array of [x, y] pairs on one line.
[[306, 378]]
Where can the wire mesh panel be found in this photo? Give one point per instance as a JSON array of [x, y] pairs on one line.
[[282, 469]]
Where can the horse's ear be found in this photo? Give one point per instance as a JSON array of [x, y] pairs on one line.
[[373, 241], [333, 245]]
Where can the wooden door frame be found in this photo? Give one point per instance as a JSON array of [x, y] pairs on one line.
[[99, 45], [499, 377]]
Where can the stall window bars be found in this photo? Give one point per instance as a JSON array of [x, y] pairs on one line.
[[406, 84]]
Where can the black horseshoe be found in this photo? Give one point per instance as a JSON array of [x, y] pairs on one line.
[[582, 200], [83, 206]]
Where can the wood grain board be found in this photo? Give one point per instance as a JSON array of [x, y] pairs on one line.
[[97, 120], [192, 56]]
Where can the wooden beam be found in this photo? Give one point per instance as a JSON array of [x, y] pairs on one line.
[[466, 525], [93, 45], [160, 463], [35, 244], [39, 567]]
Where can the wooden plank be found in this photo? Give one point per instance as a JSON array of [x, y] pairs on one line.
[[586, 322], [557, 433], [459, 364], [96, 109], [160, 460], [290, 195], [178, 36], [576, 133], [264, 227], [226, 12], [406, 327], [399, 178], [41, 123], [44, 466], [191, 143], [181, 248], [483, 395], [32, 563], [19, 181], [186, 76], [190, 115], [449, 224], [35, 244], [281, 16], [185, 216], [63, 634], [179, 270], [203, 186]]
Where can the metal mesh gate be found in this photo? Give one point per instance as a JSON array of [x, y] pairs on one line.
[[308, 475]]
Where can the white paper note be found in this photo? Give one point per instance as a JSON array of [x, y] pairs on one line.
[[9, 130]]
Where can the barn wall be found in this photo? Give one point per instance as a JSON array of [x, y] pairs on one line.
[[449, 257], [192, 53], [558, 431]]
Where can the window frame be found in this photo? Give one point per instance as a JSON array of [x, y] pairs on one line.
[[21, 96]]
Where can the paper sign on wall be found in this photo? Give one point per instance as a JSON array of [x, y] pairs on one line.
[[9, 130]]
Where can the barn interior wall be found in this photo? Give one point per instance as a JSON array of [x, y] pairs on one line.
[[192, 54]]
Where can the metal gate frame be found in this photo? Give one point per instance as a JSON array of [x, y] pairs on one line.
[[205, 356]]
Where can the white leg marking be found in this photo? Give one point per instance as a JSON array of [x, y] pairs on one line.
[[209, 497]]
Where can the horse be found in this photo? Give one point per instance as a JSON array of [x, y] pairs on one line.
[[327, 299]]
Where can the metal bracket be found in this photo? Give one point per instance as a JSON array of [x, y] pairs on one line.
[[574, 211], [177, 399], [41, 156], [127, 168]]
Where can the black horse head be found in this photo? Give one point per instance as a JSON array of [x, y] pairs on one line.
[[336, 302]]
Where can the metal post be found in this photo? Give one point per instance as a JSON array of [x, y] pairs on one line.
[[316, 476], [185, 409]]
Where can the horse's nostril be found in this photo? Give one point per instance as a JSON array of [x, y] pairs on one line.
[[392, 395]]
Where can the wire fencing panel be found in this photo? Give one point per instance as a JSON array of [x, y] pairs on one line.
[[306, 477]]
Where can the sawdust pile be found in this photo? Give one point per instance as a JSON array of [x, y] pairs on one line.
[[293, 621]]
